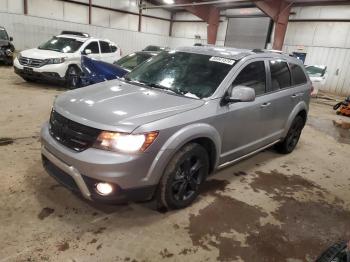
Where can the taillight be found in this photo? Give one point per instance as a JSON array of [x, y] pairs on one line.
[[312, 89], [121, 52]]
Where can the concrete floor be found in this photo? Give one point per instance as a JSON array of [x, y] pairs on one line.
[[270, 207]]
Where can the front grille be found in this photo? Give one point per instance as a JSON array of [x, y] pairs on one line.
[[72, 134], [25, 61], [61, 176]]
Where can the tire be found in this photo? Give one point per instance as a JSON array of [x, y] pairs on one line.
[[291, 140], [73, 77], [180, 183]]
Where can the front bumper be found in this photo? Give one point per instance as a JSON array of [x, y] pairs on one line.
[[81, 171], [46, 76], [46, 72]]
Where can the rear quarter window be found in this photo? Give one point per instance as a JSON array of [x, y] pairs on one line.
[[298, 74]]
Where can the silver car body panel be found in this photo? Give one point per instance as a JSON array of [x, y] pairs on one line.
[[236, 130]]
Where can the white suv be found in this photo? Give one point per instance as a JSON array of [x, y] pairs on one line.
[[59, 59]]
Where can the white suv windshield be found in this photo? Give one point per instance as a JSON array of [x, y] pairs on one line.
[[62, 44], [189, 74]]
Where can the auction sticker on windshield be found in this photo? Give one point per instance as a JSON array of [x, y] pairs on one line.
[[222, 60]]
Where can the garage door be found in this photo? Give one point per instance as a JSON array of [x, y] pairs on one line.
[[247, 32]]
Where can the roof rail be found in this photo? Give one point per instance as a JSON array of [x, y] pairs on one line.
[[272, 51], [75, 33]]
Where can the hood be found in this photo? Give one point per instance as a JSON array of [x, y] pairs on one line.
[[42, 54], [119, 106], [4, 42]]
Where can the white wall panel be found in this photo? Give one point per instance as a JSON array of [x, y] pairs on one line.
[[322, 12], [119, 20], [76, 13], [327, 34], [337, 61], [29, 32], [127, 5], [4, 5], [155, 26], [46, 8], [157, 12], [15, 6], [100, 17], [106, 3]]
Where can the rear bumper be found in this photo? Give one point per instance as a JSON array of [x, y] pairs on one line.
[[84, 185]]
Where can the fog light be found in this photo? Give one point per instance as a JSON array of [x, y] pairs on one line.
[[104, 188]]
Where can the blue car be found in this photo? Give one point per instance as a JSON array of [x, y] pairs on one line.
[[95, 71]]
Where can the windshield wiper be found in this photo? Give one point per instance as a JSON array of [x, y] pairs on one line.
[[154, 85]]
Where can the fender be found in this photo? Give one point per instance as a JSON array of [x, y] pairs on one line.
[[299, 107], [178, 140]]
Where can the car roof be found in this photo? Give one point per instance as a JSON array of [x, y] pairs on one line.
[[226, 52], [235, 53]]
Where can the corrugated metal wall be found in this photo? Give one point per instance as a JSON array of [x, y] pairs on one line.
[[338, 66], [253, 36], [184, 32], [49, 17], [324, 42], [29, 32]]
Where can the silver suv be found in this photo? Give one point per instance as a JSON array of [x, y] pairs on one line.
[[174, 120]]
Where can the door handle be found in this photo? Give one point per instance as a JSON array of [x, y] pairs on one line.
[[297, 95], [264, 105]]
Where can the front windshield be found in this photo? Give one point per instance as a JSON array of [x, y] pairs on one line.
[[192, 75], [315, 70], [3, 35], [131, 61], [62, 44]]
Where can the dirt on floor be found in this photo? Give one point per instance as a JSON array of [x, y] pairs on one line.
[[270, 207]]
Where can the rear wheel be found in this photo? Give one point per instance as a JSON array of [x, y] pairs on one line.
[[291, 140], [73, 77], [181, 181]]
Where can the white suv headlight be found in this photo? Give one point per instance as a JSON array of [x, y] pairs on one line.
[[56, 60], [114, 141]]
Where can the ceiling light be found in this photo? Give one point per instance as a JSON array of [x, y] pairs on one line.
[[169, 2]]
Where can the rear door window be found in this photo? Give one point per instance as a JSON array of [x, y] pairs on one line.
[[280, 75], [105, 47], [298, 74], [254, 76], [93, 46]]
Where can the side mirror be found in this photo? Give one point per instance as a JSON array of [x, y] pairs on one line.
[[240, 94], [87, 51], [11, 38]]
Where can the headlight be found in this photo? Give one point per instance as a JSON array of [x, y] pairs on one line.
[[19, 56], [55, 60], [125, 142]]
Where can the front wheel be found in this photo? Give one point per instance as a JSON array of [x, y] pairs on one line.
[[73, 77], [181, 181], [291, 140]]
